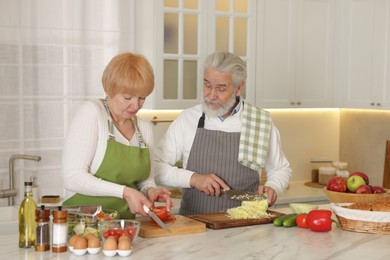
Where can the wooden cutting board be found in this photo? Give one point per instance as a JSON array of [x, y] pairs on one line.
[[181, 225], [222, 220]]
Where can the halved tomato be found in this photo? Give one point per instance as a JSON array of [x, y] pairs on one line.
[[161, 212]]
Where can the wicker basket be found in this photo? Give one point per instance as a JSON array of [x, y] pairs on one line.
[[363, 221]]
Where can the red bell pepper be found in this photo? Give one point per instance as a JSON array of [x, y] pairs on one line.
[[320, 220]]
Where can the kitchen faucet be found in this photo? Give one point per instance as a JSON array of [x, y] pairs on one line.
[[11, 192]]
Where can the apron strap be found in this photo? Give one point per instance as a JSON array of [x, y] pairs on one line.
[[201, 121], [141, 142], [109, 121]]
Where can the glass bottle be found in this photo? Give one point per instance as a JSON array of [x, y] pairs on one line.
[[42, 240], [60, 228], [27, 225]]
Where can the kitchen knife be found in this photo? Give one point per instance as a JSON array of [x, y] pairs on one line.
[[243, 195], [157, 219]]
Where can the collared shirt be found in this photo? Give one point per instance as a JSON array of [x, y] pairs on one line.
[[235, 110]]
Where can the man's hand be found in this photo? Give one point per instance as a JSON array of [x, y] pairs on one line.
[[209, 183], [271, 194]]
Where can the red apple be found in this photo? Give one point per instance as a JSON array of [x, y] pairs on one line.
[[377, 189], [364, 189], [361, 174], [338, 184]]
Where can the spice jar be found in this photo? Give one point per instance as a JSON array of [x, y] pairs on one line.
[[60, 226], [42, 239]]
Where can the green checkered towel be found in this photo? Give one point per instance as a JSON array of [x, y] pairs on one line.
[[255, 130]]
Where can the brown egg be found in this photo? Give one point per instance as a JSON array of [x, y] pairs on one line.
[[72, 239], [89, 235], [80, 243], [124, 245], [124, 237], [93, 242], [110, 244]]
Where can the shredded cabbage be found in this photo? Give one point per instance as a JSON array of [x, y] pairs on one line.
[[249, 210]]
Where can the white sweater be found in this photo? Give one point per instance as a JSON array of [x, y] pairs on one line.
[[177, 143], [84, 150]]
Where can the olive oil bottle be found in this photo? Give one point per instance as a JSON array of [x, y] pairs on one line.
[[27, 224]]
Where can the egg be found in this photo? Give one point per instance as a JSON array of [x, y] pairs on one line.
[[72, 239], [124, 237], [93, 242], [124, 245], [89, 235], [80, 243], [110, 244]]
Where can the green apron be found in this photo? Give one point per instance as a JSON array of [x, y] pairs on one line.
[[122, 164]]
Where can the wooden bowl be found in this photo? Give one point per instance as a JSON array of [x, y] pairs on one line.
[[347, 197]]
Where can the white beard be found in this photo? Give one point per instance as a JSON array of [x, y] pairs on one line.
[[209, 111]]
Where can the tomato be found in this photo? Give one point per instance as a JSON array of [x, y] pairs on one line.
[[161, 212], [301, 221], [106, 234]]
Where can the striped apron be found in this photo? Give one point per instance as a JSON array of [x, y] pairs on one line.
[[216, 152]]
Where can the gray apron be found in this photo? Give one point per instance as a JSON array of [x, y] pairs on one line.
[[217, 152]]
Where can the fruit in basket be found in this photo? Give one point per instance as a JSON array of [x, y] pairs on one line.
[[377, 189], [364, 189], [354, 182], [337, 184], [361, 174]]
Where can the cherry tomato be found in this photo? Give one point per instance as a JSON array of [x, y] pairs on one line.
[[301, 221], [161, 212]]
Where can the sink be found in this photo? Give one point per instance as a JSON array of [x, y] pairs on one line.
[[9, 220]]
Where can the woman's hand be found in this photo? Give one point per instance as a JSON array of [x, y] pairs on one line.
[[160, 195], [136, 200]]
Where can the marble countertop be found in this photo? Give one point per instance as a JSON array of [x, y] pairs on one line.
[[252, 242]]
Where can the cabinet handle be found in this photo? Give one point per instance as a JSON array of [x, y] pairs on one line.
[[292, 103], [298, 103], [378, 104], [372, 104], [155, 120]]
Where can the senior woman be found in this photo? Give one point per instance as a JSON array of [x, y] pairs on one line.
[[107, 157]]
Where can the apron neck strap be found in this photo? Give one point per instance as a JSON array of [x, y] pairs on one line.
[[201, 121], [110, 123]]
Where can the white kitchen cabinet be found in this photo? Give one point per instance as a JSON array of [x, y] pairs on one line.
[[296, 53], [364, 56]]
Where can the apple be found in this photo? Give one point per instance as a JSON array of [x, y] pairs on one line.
[[364, 189], [377, 189], [361, 174], [354, 182], [337, 183]]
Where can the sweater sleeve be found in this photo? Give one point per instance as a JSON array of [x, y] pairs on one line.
[[86, 139]]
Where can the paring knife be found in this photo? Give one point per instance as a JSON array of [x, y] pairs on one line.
[[243, 195], [157, 219]]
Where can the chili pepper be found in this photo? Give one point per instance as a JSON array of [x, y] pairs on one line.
[[320, 220], [302, 220]]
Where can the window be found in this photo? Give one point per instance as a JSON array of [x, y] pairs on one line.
[[189, 30]]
